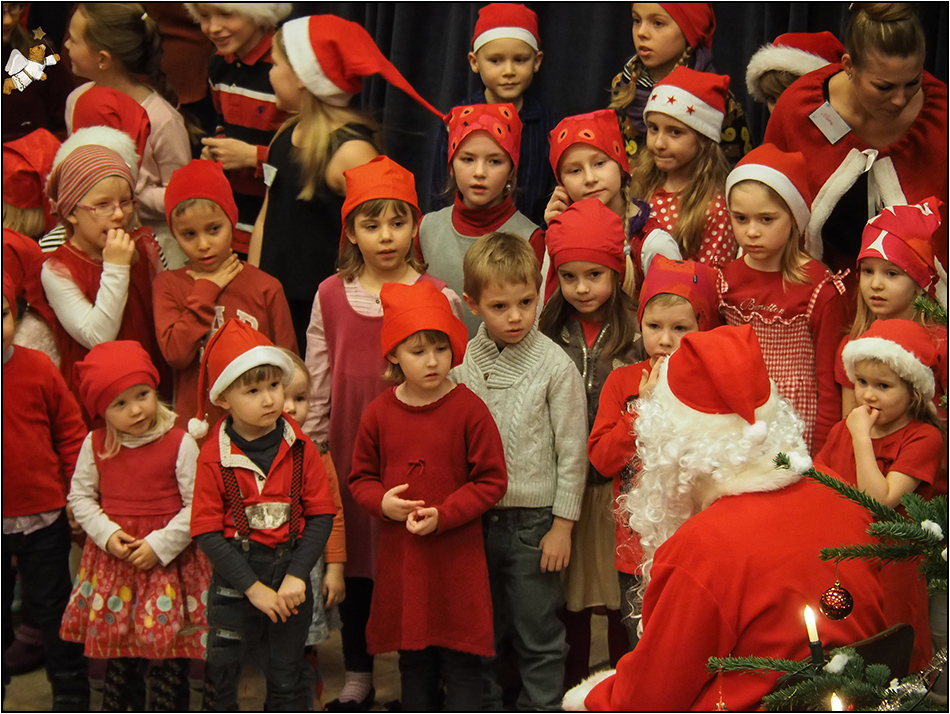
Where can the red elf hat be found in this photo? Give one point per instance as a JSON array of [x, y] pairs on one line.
[[109, 369], [785, 173], [696, 21], [501, 121], [903, 345], [27, 162], [904, 236], [380, 178], [102, 106], [698, 99], [331, 56], [506, 20], [408, 309], [200, 179], [797, 53], [690, 280], [598, 129], [587, 230]]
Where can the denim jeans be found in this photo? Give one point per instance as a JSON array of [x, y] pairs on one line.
[[425, 673], [526, 602]]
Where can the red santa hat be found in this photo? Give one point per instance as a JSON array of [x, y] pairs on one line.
[[506, 20], [696, 21], [102, 106], [587, 230], [200, 179], [109, 369], [27, 162], [698, 99], [784, 173], [331, 56], [903, 345], [82, 169], [904, 236], [501, 121], [233, 350], [797, 53], [690, 280], [380, 178], [262, 14], [408, 309], [598, 129]]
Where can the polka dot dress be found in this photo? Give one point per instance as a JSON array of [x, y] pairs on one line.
[[718, 245]]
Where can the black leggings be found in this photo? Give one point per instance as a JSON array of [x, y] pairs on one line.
[[354, 612], [127, 679]]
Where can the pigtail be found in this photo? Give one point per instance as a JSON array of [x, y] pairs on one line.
[[622, 93]]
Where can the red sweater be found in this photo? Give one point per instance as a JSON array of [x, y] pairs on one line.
[[42, 434]]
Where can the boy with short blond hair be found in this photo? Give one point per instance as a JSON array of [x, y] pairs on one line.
[[537, 398]]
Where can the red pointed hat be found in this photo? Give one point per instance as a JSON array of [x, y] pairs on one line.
[[903, 345], [698, 99], [506, 20], [200, 179], [380, 178], [598, 129], [696, 21], [501, 121], [102, 106], [785, 173], [904, 236], [408, 309], [587, 230], [27, 162], [797, 53], [690, 280], [331, 56], [109, 369]]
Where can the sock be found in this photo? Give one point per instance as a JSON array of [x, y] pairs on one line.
[[356, 686]]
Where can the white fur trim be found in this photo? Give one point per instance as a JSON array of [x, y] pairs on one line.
[[198, 428], [304, 61], [783, 59], [704, 119], [263, 14], [120, 142], [853, 165], [501, 33], [884, 184], [574, 699], [254, 357], [757, 432], [779, 182], [904, 363], [658, 242]]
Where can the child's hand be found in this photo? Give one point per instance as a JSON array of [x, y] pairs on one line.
[[861, 420], [119, 248], [142, 556], [118, 544], [292, 593], [232, 153], [398, 509], [334, 587], [223, 275], [557, 204], [74, 528], [266, 600], [648, 380], [556, 546], [423, 521]]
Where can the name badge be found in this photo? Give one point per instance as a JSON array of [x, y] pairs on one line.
[[269, 173], [829, 123]]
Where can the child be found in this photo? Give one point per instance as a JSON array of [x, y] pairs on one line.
[[142, 587], [319, 63], [592, 319], [42, 435], [262, 514], [429, 462], [678, 297], [380, 219], [665, 36], [195, 300], [115, 45], [795, 305], [683, 170], [99, 283], [506, 55], [774, 67], [243, 98], [533, 391], [484, 144]]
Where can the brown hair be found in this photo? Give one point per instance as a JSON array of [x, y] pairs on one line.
[[891, 29], [499, 258], [662, 300], [351, 260], [622, 95], [260, 373], [774, 82], [394, 372]]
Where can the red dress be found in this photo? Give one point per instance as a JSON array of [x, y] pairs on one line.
[[718, 245]]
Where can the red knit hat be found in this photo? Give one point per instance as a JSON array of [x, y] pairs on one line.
[[75, 175], [102, 106], [109, 369], [27, 162], [720, 372], [903, 345], [234, 349], [698, 99], [499, 20], [587, 230], [695, 20], [598, 129], [795, 52], [784, 173], [331, 56], [690, 280], [904, 236], [501, 121], [408, 309], [380, 178], [200, 179]]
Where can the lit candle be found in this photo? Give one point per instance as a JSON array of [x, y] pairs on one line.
[[836, 704], [810, 625]]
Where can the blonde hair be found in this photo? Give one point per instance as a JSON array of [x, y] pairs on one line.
[[317, 121], [29, 221], [622, 95], [394, 372], [665, 300], [920, 408], [163, 421], [299, 364], [889, 28], [351, 260], [499, 259]]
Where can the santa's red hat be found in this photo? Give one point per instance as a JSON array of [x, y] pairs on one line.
[[408, 309], [698, 99], [598, 129], [200, 179], [903, 345], [102, 106], [785, 173], [109, 369], [233, 350], [501, 121], [904, 236], [797, 53], [506, 20], [331, 56], [587, 230], [262, 14], [696, 21], [690, 280], [380, 178], [75, 175], [27, 162]]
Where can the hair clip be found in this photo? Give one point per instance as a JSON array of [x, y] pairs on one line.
[[144, 16]]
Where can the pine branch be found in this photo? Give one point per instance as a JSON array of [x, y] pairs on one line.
[[934, 310], [906, 531], [755, 664], [870, 551], [877, 509]]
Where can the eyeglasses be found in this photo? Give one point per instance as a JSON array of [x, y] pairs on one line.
[[104, 210]]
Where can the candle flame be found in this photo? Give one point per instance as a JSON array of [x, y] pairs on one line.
[[836, 704], [810, 624]]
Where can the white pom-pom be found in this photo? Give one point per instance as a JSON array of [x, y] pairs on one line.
[[198, 428], [837, 664], [799, 463], [932, 527], [574, 699], [756, 433]]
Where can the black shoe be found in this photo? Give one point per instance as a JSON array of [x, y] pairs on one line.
[[364, 705]]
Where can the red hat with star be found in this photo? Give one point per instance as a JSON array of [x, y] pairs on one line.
[[27, 162], [797, 53], [408, 309], [501, 121], [696, 21], [598, 129], [698, 99], [587, 230], [690, 280], [506, 20], [903, 235], [903, 345], [785, 173]]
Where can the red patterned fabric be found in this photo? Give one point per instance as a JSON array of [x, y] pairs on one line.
[[718, 245]]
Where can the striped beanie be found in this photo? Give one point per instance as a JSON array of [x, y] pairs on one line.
[[82, 169]]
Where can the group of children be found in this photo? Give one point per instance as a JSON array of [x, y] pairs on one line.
[[469, 509]]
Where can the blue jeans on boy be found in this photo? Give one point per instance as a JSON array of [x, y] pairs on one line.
[[526, 602]]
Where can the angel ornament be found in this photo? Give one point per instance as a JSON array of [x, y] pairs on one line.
[[22, 71]]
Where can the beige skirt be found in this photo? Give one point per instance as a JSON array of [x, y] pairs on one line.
[[590, 580]]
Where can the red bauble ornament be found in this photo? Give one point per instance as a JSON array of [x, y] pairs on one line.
[[836, 603]]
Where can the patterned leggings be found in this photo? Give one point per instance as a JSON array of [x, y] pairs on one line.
[[128, 678]]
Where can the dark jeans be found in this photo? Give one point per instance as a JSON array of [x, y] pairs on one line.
[[354, 612], [425, 672], [43, 562]]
